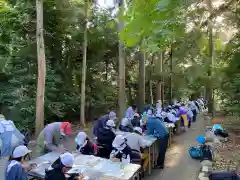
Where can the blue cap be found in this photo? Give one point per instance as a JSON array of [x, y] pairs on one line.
[[201, 139]]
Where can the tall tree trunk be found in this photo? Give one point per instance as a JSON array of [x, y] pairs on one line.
[[160, 79], [150, 81], [141, 79], [121, 93], [171, 77], [84, 66], [209, 89], [41, 69]]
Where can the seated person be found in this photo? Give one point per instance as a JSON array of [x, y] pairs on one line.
[[105, 138], [84, 145], [136, 142], [126, 125], [121, 151], [136, 120], [15, 169], [60, 167]]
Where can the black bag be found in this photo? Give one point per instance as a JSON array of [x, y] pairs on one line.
[[206, 153], [222, 133], [223, 176]]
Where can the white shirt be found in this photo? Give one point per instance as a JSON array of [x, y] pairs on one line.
[[171, 117], [125, 122], [129, 113], [135, 141]]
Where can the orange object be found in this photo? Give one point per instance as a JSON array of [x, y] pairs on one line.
[[217, 121], [66, 128]]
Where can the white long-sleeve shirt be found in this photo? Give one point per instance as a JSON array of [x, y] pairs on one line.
[[129, 113], [135, 141]]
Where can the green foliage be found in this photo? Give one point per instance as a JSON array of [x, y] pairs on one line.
[[153, 23]]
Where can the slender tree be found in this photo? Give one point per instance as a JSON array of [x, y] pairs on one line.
[[84, 65], [209, 89], [121, 93], [141, 79], [41, 68]]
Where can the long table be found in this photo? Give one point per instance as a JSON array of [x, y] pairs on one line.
[[91, 167]]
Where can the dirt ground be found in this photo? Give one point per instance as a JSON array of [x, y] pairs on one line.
[[179, 165]]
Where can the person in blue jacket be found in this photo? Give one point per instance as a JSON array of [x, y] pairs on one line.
[[15, 169], [157, 128]]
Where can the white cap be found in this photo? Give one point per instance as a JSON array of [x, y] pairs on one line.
[[119, 142], [138, 129], [67, 159], [149, 112], [20, 151], [110, 123], [136, 115], [81, 137]]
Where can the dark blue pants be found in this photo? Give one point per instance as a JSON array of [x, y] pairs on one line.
[[163, 144], [194, 115]]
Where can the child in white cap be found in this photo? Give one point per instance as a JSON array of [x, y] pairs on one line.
[[15, 169], [84, 145], [121, 152], [60, 168]]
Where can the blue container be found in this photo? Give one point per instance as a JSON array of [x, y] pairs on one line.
[[201, 139]]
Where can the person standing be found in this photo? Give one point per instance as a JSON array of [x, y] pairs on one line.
[[51, 137], [157, 128], [130, 112], [101, 122]]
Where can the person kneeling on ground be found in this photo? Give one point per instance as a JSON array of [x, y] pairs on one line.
[[105, 139], [121, 151], [60, 167], [15, 169], [84, 145], [157, 128], [136, 142]]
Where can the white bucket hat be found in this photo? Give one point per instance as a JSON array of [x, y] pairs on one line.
[[110, 123], [138, 129], [119, 142], [20, 151], [67, 159], [81, 138], [136, 115]]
